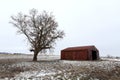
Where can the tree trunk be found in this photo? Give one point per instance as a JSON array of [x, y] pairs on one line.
[[35, 56]]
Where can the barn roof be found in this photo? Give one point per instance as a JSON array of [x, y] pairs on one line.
[[91, 47]]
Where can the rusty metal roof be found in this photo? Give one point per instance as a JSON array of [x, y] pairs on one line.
[[91, 47]]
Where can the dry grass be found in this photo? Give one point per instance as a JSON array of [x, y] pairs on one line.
[[17, 68]]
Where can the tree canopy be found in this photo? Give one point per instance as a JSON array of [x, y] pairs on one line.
[[40, 30]]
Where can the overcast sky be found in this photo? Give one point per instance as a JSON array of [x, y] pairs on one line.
[[85, 22]]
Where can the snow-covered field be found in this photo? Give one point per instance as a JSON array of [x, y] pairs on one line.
[[21, 67]]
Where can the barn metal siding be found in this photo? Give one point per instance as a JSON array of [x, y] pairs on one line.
[[79, 53]]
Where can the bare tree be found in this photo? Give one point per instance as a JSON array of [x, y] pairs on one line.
[[40, 30]]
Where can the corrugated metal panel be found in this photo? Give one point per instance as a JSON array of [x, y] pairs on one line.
[[79, 53]]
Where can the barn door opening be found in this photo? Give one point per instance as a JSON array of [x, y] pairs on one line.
[[94, 55]]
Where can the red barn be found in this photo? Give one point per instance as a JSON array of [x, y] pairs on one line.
[[80, 53]]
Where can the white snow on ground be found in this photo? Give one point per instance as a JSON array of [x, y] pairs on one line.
[[111, 59], [106, 65], [48, 69], [30, 56], [33, 74]]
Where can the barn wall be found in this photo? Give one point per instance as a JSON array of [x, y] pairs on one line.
[[75, 55], [67, 55], [89, 55], [80, 53]]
